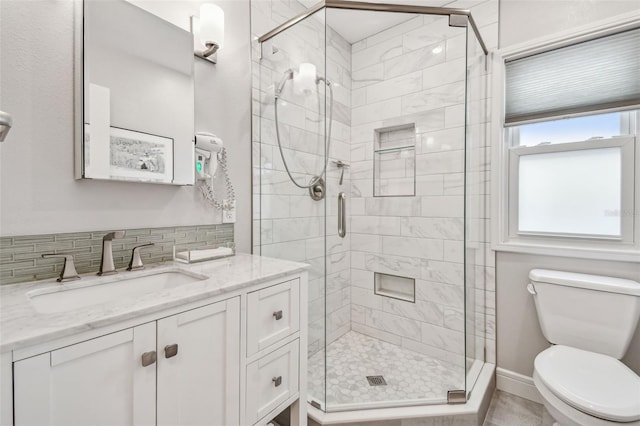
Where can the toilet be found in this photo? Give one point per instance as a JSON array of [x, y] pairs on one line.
[[590, 321]]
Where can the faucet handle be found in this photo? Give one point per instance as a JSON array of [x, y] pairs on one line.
[[111, 235], [69, 272], [136, 262]]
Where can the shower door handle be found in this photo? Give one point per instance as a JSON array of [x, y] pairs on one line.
[[342, 215]]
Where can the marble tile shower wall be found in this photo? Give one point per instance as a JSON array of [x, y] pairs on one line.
[[287, 222], [21, 260], [414, 73]]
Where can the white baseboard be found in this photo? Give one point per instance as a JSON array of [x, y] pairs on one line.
[[517, 384]]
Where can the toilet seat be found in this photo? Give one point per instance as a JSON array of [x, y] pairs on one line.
[[596, 384]]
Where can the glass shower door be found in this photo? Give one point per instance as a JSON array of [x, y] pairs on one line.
[[401, 83], [290, 155], [476, 190]]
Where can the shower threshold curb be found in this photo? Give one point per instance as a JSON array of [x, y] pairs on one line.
[[477, 406]]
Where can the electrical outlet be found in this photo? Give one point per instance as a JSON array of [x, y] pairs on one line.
[[228, 212]]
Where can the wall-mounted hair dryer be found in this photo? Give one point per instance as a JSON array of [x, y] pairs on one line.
[[210, 153], [5, 125], [208, 147]]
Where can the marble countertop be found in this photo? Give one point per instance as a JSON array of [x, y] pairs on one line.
[[21, 325]]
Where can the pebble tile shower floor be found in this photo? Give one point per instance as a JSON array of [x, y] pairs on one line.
[[354, 356]]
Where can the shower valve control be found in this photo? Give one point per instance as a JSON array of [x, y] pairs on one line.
[[317, 188]]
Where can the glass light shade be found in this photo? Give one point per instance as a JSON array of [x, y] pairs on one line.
[[305, 80], [211, 24]]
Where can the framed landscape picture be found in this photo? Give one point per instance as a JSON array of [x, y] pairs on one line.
[[140, 156]]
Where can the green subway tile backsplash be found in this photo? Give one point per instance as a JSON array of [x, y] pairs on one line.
[[21, 261]]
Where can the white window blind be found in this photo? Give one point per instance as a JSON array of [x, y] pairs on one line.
[[595, 75]]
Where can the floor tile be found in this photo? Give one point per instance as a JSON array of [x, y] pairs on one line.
[[354, 356], [510, 410]]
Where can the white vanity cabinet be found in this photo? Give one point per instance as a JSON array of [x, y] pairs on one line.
[[232, 357], [97, 382], [199, 366], [273, 348], [193, 367]]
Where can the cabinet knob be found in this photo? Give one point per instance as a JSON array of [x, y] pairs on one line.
[[171, 350], [277, 315], [148, 358], [277, 381]]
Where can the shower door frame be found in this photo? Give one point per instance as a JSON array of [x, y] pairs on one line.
[[457, 18], [381, 7]]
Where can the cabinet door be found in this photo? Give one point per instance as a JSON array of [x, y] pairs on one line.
[[199, 366], [98, 382]]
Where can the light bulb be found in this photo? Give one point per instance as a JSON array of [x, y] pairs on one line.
[[211, 24]]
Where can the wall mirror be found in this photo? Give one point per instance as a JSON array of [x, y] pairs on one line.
[[134, 95]]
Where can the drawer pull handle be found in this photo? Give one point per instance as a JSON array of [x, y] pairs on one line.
[[277, 381], [148, 358], [171, 350], [277, 315]]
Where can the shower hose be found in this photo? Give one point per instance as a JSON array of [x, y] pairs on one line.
[[289, 75]]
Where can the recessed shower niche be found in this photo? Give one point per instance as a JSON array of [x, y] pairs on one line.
[[394, 156], [402, 288]]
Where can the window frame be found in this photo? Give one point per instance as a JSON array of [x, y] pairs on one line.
[[499, 186], [625, 143]]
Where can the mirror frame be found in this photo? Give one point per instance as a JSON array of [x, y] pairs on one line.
[[78, 107]]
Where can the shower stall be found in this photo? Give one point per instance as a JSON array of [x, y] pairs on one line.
[[370, 163]]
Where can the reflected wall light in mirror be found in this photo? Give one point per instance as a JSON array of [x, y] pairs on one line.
[[208, 31]]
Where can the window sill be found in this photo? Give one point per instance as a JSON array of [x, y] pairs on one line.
[[618, 255]]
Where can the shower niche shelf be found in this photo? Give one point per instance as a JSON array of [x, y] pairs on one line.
[[394, 161], [394, 286]]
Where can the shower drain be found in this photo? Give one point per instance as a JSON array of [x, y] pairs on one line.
[[376, 381]]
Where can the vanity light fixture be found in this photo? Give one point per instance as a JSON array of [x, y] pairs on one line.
[[208, 32]]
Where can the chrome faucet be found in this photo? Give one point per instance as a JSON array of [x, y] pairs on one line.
[[68, 269], [136, 261], [107, 266]]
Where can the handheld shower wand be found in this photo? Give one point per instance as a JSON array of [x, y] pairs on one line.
[[306, 76], [5, 125]]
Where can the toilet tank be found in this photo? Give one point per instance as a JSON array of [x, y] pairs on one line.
[[589, 312]]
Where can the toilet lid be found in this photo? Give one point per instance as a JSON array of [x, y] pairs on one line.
[[593, 383]]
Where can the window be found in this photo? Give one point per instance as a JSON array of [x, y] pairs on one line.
[[572, 189], [581, 191], [570, 162], [576, 129]]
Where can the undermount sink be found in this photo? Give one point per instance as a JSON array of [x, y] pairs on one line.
[[67, 297]]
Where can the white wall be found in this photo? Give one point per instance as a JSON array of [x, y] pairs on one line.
[[38, 193], [524, 20], [518, 332], [519, 336]]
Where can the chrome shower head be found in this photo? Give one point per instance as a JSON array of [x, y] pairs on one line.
[[288, 75]]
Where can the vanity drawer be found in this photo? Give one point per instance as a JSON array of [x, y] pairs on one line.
[[273, 313], [271, 380]]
